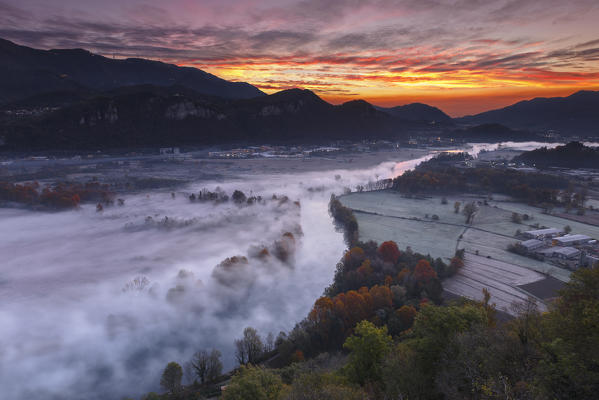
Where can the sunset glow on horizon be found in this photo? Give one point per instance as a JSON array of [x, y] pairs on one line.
[[462, 56]]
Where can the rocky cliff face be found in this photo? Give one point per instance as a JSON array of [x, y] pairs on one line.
[[186, 109], [108, 114]]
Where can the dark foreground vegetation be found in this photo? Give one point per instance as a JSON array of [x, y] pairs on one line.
[[460, 350]]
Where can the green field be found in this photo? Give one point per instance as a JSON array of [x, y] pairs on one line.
[[387, 215]]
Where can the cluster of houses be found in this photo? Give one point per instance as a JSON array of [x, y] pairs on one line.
[[570, 250]]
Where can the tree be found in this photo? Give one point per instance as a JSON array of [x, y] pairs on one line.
[[389, 252], [381, 297], [571, 340], [455, 265], [516, 218], [567, 229], [469, 211], [270, 342], [368, 347], [249, 349], [254, 383], [423, 272], [207, 366], [239, 197], [171, 377], [411, 368], [406, 316], [456, 207]]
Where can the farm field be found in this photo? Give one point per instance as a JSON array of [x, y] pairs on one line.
[[499, 278], [424, 237], [493, 245], [545, 219], [387, 215]]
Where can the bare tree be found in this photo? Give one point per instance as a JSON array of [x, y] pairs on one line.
[[207, 366], [250, 348], [215, 366], [199, 362], [240, 352]]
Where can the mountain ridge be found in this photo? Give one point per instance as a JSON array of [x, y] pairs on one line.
[[571, 114], [26, 72]]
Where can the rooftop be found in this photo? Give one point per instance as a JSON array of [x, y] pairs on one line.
[[566, 251], [531, 243], [572, 238], [543, 231]]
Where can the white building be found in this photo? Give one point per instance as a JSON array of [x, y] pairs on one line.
[[531, 244], [570, 240], [566, 253]]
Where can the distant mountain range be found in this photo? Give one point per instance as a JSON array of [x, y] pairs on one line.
[[576, 114], [26, 72], [59, 99], [150, 115]]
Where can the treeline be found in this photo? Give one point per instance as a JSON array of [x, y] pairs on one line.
[[344, 219], [375, 283], [238, 197], [437, 176], [58, 197], [571, 155], [459, 351]]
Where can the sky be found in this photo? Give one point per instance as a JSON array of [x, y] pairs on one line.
[[464, 56]]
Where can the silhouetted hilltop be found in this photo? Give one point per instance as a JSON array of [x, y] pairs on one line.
[[151, 115], [571, 155], [577, 113], [26, 72], [418, 112]]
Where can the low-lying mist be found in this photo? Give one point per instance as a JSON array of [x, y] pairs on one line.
[[94, 304]]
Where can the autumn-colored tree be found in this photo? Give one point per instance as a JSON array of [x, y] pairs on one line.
[[322, 310], [321, 316], [406, 316], [365, 270], [389, 252], [388, 280], [354, 303], [402, 274], [368, 302], [354, 257], [423, 272], [381, 297]]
